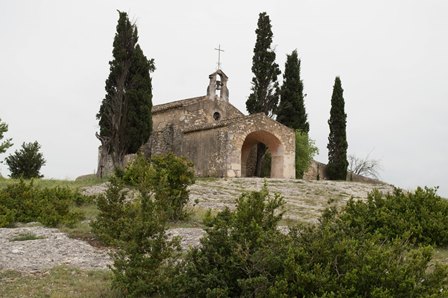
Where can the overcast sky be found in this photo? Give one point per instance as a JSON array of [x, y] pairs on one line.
[[392, 57]]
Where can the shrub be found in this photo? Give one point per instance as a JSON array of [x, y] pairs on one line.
[[133, 221], [324, 261], [422, 214], [243, 254], [22, 202], [305, 151], [240, 250], [26, 162], [167, 177]]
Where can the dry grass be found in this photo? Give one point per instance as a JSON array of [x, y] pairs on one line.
[[72, 184], [59, 282]]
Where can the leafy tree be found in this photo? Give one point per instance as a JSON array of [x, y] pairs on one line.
[[4, 145], [291, 110], [305, 151], [265, 89], [125, 113], [337, 140], [26, 162]]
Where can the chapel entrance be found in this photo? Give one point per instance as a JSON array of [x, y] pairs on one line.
[[249, 153]]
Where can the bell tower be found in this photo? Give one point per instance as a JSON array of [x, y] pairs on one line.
[[218, 82]]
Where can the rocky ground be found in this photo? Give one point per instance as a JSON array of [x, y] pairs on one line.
[[305, 201]]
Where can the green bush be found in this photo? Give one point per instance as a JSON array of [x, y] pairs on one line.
[[22, 202], [422, 215], [167, 176], [305, 151], [244, 255], [133, 220], [240, 250]]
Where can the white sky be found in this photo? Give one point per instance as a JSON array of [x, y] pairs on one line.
[[392, 57]]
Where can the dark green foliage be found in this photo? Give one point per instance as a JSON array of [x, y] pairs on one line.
[[337, 140], [125, 113], [22, 202], [265, 90], [305, 151], [237, 252], [323, 261], [26, 162], [422, 215], [167, 176], [264, 96], [291, 110], [134, 220], [244, 255], [139, 96], [4, 145]]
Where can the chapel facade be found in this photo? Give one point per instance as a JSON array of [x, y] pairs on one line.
[[219, 139]]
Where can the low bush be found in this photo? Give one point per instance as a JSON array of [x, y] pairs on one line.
[[24, 202], [133, 216], [421, 215], [167, 177], [244, 255]]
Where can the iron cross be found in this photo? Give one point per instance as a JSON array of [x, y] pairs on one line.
[[219, 55]]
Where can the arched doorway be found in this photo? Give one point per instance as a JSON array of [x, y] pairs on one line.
[[274, 146]]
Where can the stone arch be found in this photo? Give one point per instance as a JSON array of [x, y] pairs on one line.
[[246, 131], [274, 145]]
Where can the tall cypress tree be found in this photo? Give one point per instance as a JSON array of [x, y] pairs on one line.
[[291, 111], [125, 112], [337, 140], [264, 96]]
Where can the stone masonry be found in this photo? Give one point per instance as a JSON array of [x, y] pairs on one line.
[[217, 137]]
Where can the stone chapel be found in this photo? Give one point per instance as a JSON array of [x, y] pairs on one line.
[[219, 139]]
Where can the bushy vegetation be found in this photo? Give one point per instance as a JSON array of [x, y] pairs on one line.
[[421, 216], [167, 177], [237, 250], [25, 202], [305, 151], [26, 162], [244, 255], [133, 217]]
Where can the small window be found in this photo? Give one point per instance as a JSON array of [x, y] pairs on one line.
[[216, 116]]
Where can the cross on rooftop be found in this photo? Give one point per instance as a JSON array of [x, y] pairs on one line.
[[219, 56]]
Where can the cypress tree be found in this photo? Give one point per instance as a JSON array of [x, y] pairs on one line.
[[264, 96], [291, 111], [337, 140], [125, 112]]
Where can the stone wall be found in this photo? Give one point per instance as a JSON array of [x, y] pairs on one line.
[[246, 131], [206, 149]]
